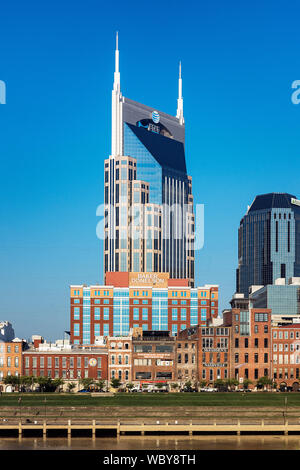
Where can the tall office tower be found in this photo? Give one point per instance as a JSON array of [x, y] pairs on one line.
[[149, 216], [269, 241]]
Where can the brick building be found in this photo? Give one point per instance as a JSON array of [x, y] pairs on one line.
[[250, 340], [153, 357], [186, 369], [11, 358], [150, 301], [285, 346], [119, 358], [66, 361]]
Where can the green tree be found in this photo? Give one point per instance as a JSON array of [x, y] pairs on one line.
[[174, 385], [100, 384], [219, 383], [86, 382], [231, 383], [45, 383], [71, 386], [246, 383], [57, 383], [115, 383], [188, 384], [12, 380], [129, 386], [264, 382], [203, 383]]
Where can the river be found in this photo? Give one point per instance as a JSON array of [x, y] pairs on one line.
[[275, 442]]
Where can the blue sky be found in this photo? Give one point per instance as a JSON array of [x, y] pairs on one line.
[[239, 60]]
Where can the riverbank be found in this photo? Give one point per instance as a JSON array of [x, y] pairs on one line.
[[228, 399]]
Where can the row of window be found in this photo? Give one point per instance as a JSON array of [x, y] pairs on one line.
[[286, 359], [9, 348], [256, 342], [286, 334], [79, 361], [245, 358], [71, 374], [10, 361]]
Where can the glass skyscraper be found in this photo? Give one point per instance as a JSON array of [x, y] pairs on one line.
[[149, 215], [269, 241]]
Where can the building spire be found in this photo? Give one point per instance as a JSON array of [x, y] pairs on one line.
[[116, 108], [117, 73], [179, 113]]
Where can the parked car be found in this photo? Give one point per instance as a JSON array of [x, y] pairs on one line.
[[83, 391]]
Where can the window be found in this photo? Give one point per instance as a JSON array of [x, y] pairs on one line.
[[256, 342]]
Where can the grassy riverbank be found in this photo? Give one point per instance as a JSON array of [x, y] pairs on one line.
[[258, 399]]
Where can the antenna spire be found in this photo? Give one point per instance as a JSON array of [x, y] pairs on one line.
[[179, 113], [117, 73]]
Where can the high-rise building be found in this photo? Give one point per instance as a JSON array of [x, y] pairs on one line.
[[269, 241], [149, 217]]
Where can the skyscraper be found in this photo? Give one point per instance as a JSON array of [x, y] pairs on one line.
[[269, 241], [149, 217]]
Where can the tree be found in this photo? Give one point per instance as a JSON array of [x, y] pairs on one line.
[[12, 380], [129, 386], [264, 382], [86, 382], [71, 386], [203, 383], [100, 384], [45, 383], [219, 383], [174, 385], [246, 383], [188, 384], [57, 383], [115, 383], [231, 383]]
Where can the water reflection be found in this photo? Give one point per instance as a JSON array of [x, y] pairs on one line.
[[155, 443]]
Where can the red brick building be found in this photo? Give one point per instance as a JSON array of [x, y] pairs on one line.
[[285, 346], [61, 360], [250, 343]]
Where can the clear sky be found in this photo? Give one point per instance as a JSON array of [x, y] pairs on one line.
[[239, 60]]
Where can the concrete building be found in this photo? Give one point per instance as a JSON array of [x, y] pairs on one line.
[[283, 299]]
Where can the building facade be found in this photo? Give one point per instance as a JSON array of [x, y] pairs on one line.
[[285, 345], [149, 216], [269, 241], [11, 358], [150, 301], [66, 361], [250, 340], [153, 357], [281, 297]]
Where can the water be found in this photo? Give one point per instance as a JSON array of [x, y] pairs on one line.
[[155, 443]]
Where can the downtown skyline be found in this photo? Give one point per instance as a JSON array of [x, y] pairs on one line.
[[238, 131]]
